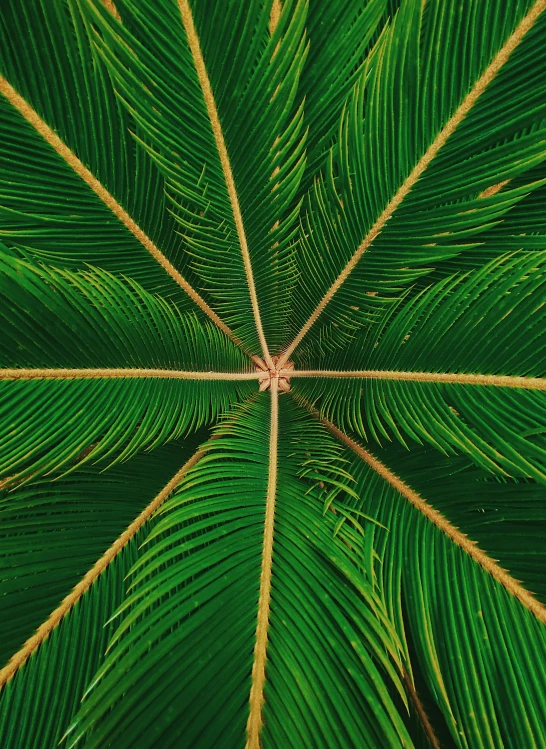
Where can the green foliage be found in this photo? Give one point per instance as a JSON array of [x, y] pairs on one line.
[[53, 532], [463, 624], [194, 592], [364, 182], [62, 319], [443, 329]]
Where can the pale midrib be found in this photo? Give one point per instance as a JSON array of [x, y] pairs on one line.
[[254, 723], [64, 373], [31, 116], [420, 710], [470, 99], [509, 381], [77, 592], [195, 47], [275, 16], [109, 5], [436, 517], [92, 374]]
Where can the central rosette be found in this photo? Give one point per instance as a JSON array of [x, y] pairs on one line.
[[283, 375]]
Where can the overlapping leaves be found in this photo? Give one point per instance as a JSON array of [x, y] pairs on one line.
[[397, 164], [442, 330], [255, 79], [463, 625], [265, 143], [62, 319], [47, 211], [196, 585]]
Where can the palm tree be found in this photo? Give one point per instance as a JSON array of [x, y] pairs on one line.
[[273, 385]]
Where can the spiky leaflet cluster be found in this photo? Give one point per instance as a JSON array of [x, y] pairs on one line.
[[272, 389]]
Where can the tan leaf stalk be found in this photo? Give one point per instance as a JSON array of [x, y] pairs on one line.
[[441, 139], [493, 190], [73, 597], [109, 5], [82, 171], [509, 381], [275, 16], [95, 374], [470, 547], [420, 710], [254, 723], [195, 47]]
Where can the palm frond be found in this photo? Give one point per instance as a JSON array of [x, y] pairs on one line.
[[51, 417], [340, 35], [317, 229], [466, 628], [215, 96], [499, 423], [62, 651], [53, 533], [48, 210], [394, 202], [521, 229], [505, 517], [463, 614], [193, 582]]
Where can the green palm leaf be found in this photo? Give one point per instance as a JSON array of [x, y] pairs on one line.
[[393, 200], [193, 585], [52, 533], [227, 133], [149, 387], [64, 529], [316, 229], [48, 210], [341, 34], [420, 381], [462, 623]]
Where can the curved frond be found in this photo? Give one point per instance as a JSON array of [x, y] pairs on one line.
[[216, 98], [53, 533], [501, 424], [466, 617], [69, 164], [465, 627], [339, 34], [506, 518], [55, 320], [193, 582], [522, 229], [58, 318], [397, 200], [70, 644]]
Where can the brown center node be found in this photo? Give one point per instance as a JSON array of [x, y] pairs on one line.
[[283, 375]]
